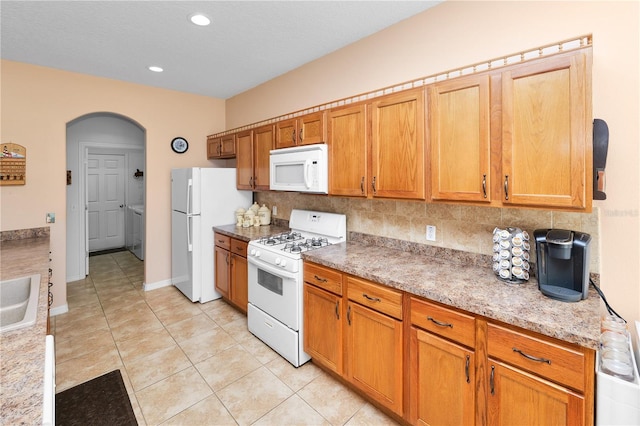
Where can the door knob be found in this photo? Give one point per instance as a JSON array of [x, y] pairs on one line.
[[121, 205]]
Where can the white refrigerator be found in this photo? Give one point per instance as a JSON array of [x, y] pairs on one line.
[[201, 198]]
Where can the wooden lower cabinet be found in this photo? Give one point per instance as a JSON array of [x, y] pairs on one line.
[[230, 259], [323, 333], [519, 398], [432, 364], [374, 355], [442, 381]]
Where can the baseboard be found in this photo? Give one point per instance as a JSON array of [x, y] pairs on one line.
[[59, 310], [76, 278], [156, 285]]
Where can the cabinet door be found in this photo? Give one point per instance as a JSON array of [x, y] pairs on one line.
[[239, 281], [221, 262], [516, 397], [286, 133], [374, 355], [460, 139], [348, 151], [323, 327], [546, 148], [442, 381], [213, 148], [244, 160], [397, 146], [263, 138], [311, 129], [228, 146]]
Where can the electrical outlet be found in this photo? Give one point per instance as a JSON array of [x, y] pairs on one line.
[[431, 233], [274, 211], [51, 218]]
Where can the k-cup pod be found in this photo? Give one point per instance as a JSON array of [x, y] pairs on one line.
[[613, 323], [525, 265], [526, 245], [504, 234], [496, 267], [525, 275], [505, 274], [525, 235], [504, 244], [496, 247], [516, 261], [505, 264], [516, 251], [496, 237], [496, 257], [504, 254], [517, 241], [525, 255], [517, 271]]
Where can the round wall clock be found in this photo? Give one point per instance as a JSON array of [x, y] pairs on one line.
[[179, 145]]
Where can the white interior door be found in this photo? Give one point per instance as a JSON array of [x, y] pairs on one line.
[[105, 201]]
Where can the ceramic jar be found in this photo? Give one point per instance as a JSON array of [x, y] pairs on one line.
[[265, 215]]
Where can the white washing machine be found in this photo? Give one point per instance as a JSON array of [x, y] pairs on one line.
[[135, 242]]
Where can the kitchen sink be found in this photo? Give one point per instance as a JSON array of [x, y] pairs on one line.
[[19, 302]]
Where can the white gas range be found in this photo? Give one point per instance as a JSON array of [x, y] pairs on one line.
[[275, 276]]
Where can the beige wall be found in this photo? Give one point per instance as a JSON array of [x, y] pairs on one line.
[[455, 34], [38, 102]]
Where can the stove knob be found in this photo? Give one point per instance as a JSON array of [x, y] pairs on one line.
[[283, 263], [255, 252], [277, 261]]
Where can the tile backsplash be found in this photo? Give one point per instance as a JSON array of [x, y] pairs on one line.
[[459, 227]]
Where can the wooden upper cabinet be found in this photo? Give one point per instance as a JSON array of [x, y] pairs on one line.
[[348, 151], [397, 145], [244, 160], [263, 138], [221, 147], [252, 164], [546, 137], [459, 138], [304, 130]]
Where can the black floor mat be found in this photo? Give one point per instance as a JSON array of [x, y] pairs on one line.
[[100, 401]]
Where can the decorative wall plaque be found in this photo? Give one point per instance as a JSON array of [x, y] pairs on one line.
[[13, 164]]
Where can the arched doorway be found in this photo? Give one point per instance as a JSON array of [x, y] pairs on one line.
[[105, 175]]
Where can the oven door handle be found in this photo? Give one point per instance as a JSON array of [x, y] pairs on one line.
[[272, 269]]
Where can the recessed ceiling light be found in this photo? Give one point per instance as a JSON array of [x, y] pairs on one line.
[[155, 69], [200, 19]]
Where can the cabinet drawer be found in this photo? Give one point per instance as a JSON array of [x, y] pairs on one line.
[[559, 363], [222, 241], [238, 247], [445, 322], [326, 278], [382, 299]]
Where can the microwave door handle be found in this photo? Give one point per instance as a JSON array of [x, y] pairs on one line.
[[307, 174]]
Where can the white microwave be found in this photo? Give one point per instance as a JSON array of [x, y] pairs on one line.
[[300, 169]]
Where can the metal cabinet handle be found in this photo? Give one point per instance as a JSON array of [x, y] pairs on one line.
[[531, 357], [492, 383], [362, 185], [466, 368], [338, 309], [300, 136], [506, 187], [227, 258], [441, 324], [484, 186], [373, 185], [293, 136], [373, 299], [251, 181], [349, 315], [320, 279]]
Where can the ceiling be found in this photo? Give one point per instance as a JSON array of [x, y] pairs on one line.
[[247, 43]]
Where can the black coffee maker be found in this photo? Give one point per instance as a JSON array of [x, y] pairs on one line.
[[563, 263]]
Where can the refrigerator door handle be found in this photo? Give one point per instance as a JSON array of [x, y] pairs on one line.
[[189, 242], [189, 194]]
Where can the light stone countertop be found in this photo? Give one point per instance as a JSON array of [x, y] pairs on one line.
[[469, 287], [22, 350]]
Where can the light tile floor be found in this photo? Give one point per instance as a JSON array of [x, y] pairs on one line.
[[187, 363]]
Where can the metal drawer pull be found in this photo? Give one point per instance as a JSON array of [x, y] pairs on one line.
[[484, 186], [466, 368], [441, 324], [373, 299], [322, 280], [506, 187], [362, 185], [532, 358]]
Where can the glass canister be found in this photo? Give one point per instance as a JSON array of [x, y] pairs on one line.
[[511, 255]]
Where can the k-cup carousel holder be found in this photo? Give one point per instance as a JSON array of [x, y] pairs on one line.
[[511, 255]]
